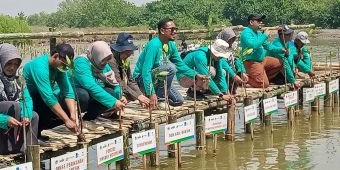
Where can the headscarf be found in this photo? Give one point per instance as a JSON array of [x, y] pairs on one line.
[[9, 89], [96, 53], [226, 34]]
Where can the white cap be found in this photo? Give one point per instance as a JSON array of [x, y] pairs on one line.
[[220, 48], [303, 37]]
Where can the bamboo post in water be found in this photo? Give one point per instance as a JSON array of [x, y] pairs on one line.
[[230, 122], [328, 96], [171, 148], [33, 155], [248, 127], [316, 105], [200, 135], [154, 156], [124, 164]]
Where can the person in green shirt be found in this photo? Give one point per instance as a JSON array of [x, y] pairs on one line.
[[286, 75], [302, 58], [97, 88], [15, 105], [41, 74], [199, 59], [160, 54], [232, 63], [253, 43]]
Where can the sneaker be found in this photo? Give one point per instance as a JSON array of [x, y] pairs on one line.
[[199, 95]]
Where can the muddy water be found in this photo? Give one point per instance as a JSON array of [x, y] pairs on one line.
[[311, 142]]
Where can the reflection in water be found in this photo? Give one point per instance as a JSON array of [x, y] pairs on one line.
[[313, 142]]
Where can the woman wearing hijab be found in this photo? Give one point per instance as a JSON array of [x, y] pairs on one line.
[[97, 89], [232, 63], [15, 105], [122, 49]]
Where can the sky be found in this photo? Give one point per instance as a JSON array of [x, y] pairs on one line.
[[13, 7]]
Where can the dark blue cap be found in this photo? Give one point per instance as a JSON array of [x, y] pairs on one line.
[[124, 42]]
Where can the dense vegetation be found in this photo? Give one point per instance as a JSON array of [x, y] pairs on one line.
[[188, 13]]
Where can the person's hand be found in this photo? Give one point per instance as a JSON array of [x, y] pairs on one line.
[[203, 78], [237, 79], [144, 101], [227, 97], [285, 51], [12, 122], [153, 101], [266, 31], [244, 77], [124, 100], [296, 85], [311, 75], [25, 121], [119, 106], [71, 125]]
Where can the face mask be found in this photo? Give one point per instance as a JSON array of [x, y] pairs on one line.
[[66, 65]]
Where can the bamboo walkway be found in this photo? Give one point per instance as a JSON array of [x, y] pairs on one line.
[[136, 118]]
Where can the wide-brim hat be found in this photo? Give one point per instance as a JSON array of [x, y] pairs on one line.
[[220, 48], [124, 42]]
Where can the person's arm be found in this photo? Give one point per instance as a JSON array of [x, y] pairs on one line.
[[275, 47], [250, 41], [84, 77], [4, 121], [151, 53], [305, 64], [201, 64], [26, 105], [180, 65], [65, 85], [133, 88], [225, 66], [288, 71], [220, 78], [239, 66]]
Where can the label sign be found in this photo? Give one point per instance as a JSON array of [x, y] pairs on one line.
[[250, 113], [143, 142], [270, 105], [334, 86], [110, 151], [180, 131], [291, 99], [215, 124], [25, 166], [73, 160], [320, 89], [310, 94]]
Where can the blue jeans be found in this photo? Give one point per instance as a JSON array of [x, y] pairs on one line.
[[175, 98]]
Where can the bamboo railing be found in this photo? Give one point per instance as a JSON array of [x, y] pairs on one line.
[[78, 34]]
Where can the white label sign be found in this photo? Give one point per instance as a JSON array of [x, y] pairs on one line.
[[25, 166], [270, 105], [310, 94], [180, 131], [291, 99], [320, 89], [215, 124], [250, 113], [110, 151], [70, 161], [143, 142], [334, 86]]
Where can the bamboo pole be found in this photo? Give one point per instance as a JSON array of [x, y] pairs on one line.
[[154, 157], [328, 96], [33, 155], [78, 34], [124, 164], [200, 135], [172, 148], [248, 127], [230, 122]]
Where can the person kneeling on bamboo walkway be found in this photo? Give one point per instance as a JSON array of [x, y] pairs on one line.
[[97, 88], [15, 105], [253, 43], [286, 75], [41, 74], [161, 55], [199, 60], [232, 64], [302, 58], [122, 49]]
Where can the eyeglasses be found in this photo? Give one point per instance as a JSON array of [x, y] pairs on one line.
[[173, 29]]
